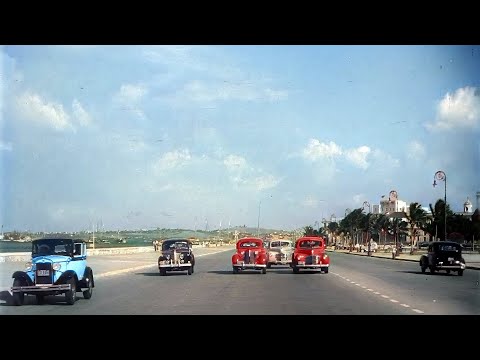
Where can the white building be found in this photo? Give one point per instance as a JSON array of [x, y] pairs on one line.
[[392, 204]]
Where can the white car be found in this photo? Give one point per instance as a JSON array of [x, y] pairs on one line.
[[279, 252]]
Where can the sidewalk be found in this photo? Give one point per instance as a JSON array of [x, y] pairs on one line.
[[474, 265]]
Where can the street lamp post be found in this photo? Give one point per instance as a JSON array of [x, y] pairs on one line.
[[441, 176]]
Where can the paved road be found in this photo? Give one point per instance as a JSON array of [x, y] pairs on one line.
[[355, 286]]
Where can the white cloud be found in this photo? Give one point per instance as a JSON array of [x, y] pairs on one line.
[[235, 162], [416, 150], [172, 160], [34, 108], [358, 156], [257, 183], [80, 114], [202, 92], [458, 110], [316, 149], [130, 94], [5, 146]]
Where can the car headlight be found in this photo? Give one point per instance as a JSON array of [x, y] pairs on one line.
[[57, 266], [28, 266], [181, 256]]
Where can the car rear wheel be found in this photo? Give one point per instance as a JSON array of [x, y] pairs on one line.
[[432, 269], [295, 270], [18, 297], [235, 270], [269, 265], [40, 299], [163, 272]]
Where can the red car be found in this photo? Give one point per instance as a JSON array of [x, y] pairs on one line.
[[310, 253], [250, 255]]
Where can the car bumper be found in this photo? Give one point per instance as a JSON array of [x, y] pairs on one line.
[[312, 266], [250, 266], [40, 288], [451, 267], [175, 266]]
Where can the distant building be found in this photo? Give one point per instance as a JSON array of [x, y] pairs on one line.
[[392, 204], [467, 208], [376, 209]]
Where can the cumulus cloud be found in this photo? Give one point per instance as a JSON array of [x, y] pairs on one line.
[[172, 160], [235, 162], [416, 150], [131, 93], [34, 108], [460, 110], [80, 114], [358, 156], [316, 150]]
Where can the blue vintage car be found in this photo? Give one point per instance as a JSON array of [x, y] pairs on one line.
[[58, 266]]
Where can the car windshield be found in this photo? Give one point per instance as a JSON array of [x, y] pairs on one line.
[[449, 248], [52, 247], [279, 244], [175, 245], [249, 244], [310, 244]]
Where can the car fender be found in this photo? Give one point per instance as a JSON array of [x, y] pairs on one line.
[[67, 275], [24, 276], [88, 273]]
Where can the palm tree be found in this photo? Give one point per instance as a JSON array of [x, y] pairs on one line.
[[417, 219]]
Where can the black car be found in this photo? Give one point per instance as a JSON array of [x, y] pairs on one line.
[[443, 255], [177, 255]]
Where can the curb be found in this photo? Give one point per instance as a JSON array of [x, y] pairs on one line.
[[384, 257]]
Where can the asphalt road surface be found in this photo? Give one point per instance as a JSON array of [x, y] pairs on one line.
[[355, 285]]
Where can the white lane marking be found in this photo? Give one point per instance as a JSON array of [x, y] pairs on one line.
[[123, 271], [377, 293]]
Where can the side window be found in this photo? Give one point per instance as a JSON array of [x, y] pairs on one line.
[[77, 250]]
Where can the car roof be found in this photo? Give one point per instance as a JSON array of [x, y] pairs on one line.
[[177, 239], [250, 239], [446, 243], [77, 240]]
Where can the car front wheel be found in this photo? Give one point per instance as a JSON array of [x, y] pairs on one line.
[[71, 295], [18, 297], [460, 272]]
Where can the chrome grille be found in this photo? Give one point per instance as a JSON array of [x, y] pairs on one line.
[[44, 273]]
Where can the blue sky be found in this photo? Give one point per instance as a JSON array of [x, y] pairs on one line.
[[177, 136]]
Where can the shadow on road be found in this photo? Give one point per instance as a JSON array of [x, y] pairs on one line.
[[426, 273], [171, 273], [5, 296], [32, 300]]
